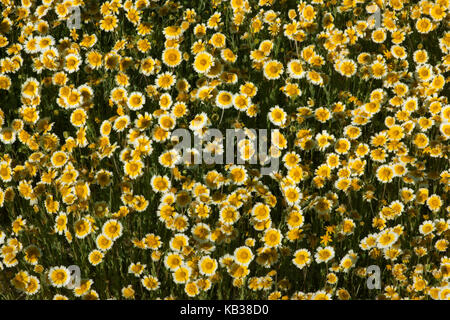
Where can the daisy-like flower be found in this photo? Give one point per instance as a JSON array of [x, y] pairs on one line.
[[426, 227], [73, 99], [78, 117], [324, 254], [368, 242], [121, 123], [143, 121], [378, 69], [241, 102], [30, 88], [322, 114], [31, 45], [61, 223], [424, 25], [273, 69], [379, 35], [182, 274], [160, 183], [33, 286], [238, 174], [136, 268], [228, 55], [147, 66], [167, 122], [314, 77], [321, 295], [59, 159], [165, 80], [342, 146], [444, 128], [277, 116], [385, 173], [94, 59], [178, 242], [272, 238], [214, 21], [308, 13], [173, 261], [295, 69], [218, 40], [59, 276], [207, 266], [199, 45], [424, 72], [243, 256], [112, 229], [348, 261], [173, 32], [203, 62], [386, 238], [302, 258], [95, 257], [198, 122], [434, 202], [229, 215], [108, 23], [171, 57], [260, 211], [72, 63], [201, 232], [441, 245], [279, 142], [119, 94], [398, 52], [224, 99], [82, 228], [136, 100], [165, 101], [29, 114], [324, 140], [8, 135], [150, 283], [134, 168], [347, 68], [292, 195], [169, 159], [291, 160], [128, 292], [103, 243], [5, 82], [105, 128], [420, 56], [32, 254]]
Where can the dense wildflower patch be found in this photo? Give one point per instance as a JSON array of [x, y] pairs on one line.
[[354, 92]]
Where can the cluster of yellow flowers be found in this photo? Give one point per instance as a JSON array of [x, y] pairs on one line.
[[89, 175]]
